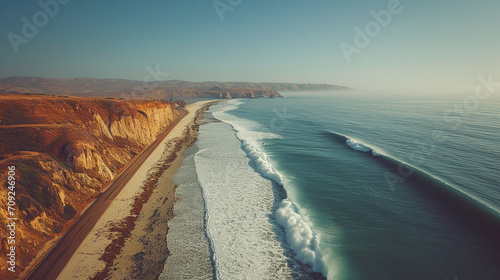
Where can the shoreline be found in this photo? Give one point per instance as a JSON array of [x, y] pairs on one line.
[[146, 251], [129, 241], [191, 255]]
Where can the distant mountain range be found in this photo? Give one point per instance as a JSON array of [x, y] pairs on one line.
[[120, 88]]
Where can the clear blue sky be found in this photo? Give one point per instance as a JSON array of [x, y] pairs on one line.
[[430, 46]]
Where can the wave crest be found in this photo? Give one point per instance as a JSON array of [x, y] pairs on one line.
[[300, 237], [418, 174]]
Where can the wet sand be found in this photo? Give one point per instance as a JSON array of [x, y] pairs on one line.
[[190, 255], [128, 242]]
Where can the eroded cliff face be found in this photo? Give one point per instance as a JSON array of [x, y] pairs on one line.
[[65, 150]]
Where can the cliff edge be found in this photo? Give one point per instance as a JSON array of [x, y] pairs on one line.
[[65, 150]]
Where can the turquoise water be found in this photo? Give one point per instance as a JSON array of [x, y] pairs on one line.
[[359, 189]]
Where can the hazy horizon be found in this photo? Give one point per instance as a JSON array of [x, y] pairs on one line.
[[381, 46]]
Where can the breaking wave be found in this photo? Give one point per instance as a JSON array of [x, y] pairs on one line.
[[299, 236], [450, 193]]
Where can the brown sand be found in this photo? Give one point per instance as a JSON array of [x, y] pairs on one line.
[[129, 242]]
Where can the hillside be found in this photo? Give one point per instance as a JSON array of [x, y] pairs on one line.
[[65, 150], [250, 85], [160, 90]]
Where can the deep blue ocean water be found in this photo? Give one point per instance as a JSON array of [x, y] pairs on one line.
[[374, 188]]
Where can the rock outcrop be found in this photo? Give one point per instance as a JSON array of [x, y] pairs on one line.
[[65, 150]]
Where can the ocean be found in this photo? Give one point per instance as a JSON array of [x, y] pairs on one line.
[[327, 186]]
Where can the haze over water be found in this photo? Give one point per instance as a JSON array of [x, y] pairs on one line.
[[333, 157], [395, 180], [405, 47]]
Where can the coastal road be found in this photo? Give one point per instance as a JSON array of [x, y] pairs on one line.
[[56, 259]]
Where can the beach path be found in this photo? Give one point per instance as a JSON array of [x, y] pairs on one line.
[[77, 252]]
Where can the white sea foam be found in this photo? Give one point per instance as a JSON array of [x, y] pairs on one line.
[[362, 147], [249, 141], [238, 203], [235, 102], [299, 235], [358, 145], [189, 256], [355, 145]]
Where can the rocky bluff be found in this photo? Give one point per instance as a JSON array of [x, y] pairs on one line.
[[65, 150]]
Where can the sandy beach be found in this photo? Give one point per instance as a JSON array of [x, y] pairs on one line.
[[128, 242]]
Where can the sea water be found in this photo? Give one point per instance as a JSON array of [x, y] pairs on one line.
[[238, 203], [317, 185]]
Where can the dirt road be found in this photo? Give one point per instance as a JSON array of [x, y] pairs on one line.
[[55, 260]]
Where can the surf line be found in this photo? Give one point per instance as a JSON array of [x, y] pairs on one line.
[[453, 118], [300, 238], [438, 185]]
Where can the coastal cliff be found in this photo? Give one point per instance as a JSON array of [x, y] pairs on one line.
[[65, 150]]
